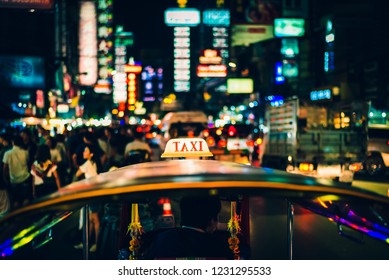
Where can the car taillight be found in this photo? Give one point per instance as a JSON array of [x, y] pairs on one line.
[[355, 167], [222, 143], [166, 206], [306, 166], [211, 141], [250, 143], [231, 131]]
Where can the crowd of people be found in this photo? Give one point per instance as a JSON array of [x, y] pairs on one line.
[[35, 162]]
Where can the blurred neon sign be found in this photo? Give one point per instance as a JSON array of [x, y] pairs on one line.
[[182, 17], [323, 94], [88, 44], [289, 27], [240, 85], [204, 70], [216, 17]]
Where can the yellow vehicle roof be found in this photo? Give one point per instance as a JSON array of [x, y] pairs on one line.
[[185, 175]]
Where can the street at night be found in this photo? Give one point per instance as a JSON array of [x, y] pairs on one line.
[[244, 133]]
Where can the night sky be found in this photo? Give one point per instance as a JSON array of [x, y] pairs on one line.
[[145, 18]]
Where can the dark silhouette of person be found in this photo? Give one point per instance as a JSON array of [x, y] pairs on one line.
[[29, 144], [195, 239]]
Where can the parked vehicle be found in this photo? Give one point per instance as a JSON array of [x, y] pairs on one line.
[[232, 142], [321, 141], [376, 162], [179, 124]]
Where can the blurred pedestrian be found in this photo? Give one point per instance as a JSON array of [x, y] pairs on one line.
[[16, 173], [73, 142], [102, 140], [64, 166], [29, 144], [117, 143], [41, 135], [104, 137], [88, 140], [91, 168], [55, 154], [156, 149], [45, 175], [57, 158], [138, 144], [5, 145]]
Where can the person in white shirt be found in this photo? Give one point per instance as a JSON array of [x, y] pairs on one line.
[[45, 176], [55, 153], [16, 173], [90, 168], [137, 144]]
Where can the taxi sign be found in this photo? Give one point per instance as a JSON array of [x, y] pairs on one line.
[[186, 147]]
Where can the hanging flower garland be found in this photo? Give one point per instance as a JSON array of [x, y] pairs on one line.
[[234, 229], [135, 229]]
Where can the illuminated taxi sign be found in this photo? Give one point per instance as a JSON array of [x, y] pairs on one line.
[[186, 147]]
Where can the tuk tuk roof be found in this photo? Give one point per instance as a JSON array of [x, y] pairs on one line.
[[184, 175]]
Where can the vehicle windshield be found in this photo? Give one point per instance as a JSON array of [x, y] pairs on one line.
[[186, 129], [378, 133], [353, 224]]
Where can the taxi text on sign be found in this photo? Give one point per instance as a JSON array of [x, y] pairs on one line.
[[184, 147]]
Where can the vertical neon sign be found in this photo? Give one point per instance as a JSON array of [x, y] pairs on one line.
[[88, 44]]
